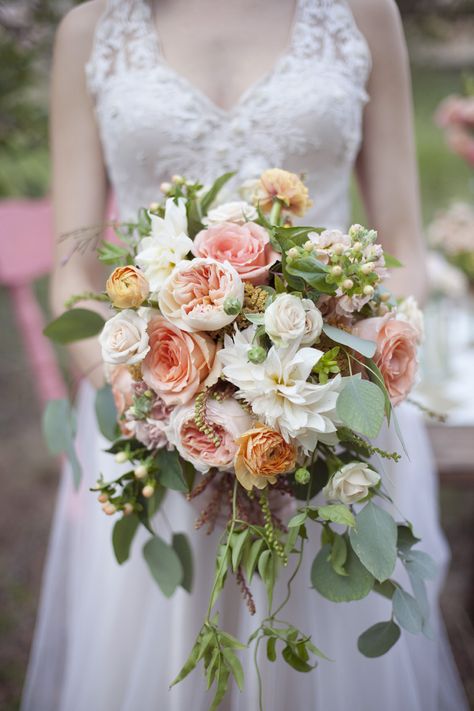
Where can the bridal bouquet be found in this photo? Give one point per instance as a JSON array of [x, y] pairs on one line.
[[252, 363]]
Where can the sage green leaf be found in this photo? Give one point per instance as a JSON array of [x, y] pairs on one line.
[[271, 649], [377, 640], [209, 197], [337, 513], [235, 666], [311, 270], [106, 413], [419, 591], [182, 548], [339, 554], [238, 542], [122, 536], [374, 539], [361, 406], [170, 472], [228, 640], [375, 375], [295, 661], [407, 612], [222, 683], [421, 564], [252, 557], [59, 430], [190, 663], [211, 665], [361, 345], [354, 586], [386, 589], [110, 253], [297, 520], [164, 564], [189, 473], [74, 325], [405, 538], [391, 262], [256, 319]]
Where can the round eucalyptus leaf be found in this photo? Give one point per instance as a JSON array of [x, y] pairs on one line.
[[340, 588]]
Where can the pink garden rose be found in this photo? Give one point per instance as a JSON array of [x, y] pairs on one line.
[[193, 295], [228, 421], [396, 352], [177, 362], [247, 247], [122, 383]]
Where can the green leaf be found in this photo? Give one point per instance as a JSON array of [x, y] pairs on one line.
[[361, 345], [295, 661], [421, 564], [339, 554], [213, 191], [267, 567], [376, 377], [256, 319], [311, 270], [183, 550], [360, 406], [110, 253], [122, 536], [238, 542], [164, 564], [297, 520], [391, 262], [407, 612], [386, 589], [190, 663], [337, 513], [374, 539], [354, 586], [170, 472], [235, 666], [377, 640], [405, 538], [252, 557], [59, 430], [106, 413], [271, 649], [74, 325], [227, 640]]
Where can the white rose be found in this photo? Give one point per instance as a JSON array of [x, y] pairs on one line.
[[351, 483], [285, 319], [124, 339], [168, 244], [238, 212], [409, 311], [313, 322]]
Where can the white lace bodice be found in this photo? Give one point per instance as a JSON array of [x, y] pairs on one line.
[[304, 115]]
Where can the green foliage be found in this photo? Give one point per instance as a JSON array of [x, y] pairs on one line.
[[74, 325], [377, 640], [209, 197], [421, 564], [337, 513], [360, 406], [170, 471], [106, 413], [361, 345], [113, 254], [407, 611], [319, 478], [59, 430], [164, 564], [310, 270], [183, 550], [355, 585], [122, 537], [374, 539]]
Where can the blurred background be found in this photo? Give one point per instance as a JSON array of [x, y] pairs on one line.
[[440, 36]]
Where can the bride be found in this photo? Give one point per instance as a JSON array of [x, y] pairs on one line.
[[143, 90]]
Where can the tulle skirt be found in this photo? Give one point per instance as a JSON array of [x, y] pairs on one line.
[[107, 639]]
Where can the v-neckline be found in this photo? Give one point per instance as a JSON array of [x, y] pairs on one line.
[[200, 93]]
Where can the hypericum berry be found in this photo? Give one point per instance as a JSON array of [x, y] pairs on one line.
[[257, 354], [336, 270], [347, 284], [109, 509], [165, 188], [141, 471], [368, 290], [127, 509], [338, 249], [367, 268], [177, 179], [357, 246], [292, 252], [154, 206], [302, 475], [103, 498], [121, 457], [148, 491], [308, 246]]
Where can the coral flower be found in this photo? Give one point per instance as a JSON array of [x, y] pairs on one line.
[[288, 188], [262, 456]]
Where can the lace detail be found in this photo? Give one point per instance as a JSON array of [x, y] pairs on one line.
[[305, 114]]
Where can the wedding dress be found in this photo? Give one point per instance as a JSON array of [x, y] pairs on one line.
[[106, 638]]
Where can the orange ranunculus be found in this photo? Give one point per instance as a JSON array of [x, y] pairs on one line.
[[284, 186], [263, 455], [127, 288]]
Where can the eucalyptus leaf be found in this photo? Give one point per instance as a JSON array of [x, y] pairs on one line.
[[337, 513], [361, 345], [339, 554], [374, 539], [378, 639], [405, 538], [59, 430], [361, 406], [106, 413], [183, 550], [74, 325], [170, 471], [164, 564], [407, 612], [421, 564], [354, 586], [122, 536]]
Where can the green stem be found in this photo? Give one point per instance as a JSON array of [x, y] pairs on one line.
[[275, 213], [85, 296], [259, 676]]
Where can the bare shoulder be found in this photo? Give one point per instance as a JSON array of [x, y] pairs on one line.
[[75, 33], [378, 20]]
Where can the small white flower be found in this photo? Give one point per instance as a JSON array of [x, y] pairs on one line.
[[285, 319], [167, 245], [409, 311], [238, 212], [351, 483], [124, 339]]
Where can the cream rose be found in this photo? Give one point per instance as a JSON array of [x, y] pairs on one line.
[[227, 419], [124, 339], [313, 322], [247, 247], [237, 212], [285, 319], [177, 362], [351, 483], [194, 294], [409, 311]]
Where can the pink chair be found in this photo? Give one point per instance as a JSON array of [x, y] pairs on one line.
[[26, 254]]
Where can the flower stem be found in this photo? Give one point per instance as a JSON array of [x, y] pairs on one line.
[[85, 296], [275, 213]]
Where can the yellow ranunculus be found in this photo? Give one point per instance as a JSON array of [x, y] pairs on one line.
[[127, 288]]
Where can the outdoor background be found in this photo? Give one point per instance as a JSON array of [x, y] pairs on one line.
[[441, 42]]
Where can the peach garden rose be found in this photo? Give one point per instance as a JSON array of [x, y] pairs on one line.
[[396, 354], [178, 362], [247, 247], [263, 455], [127, 288], [194, 294]]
